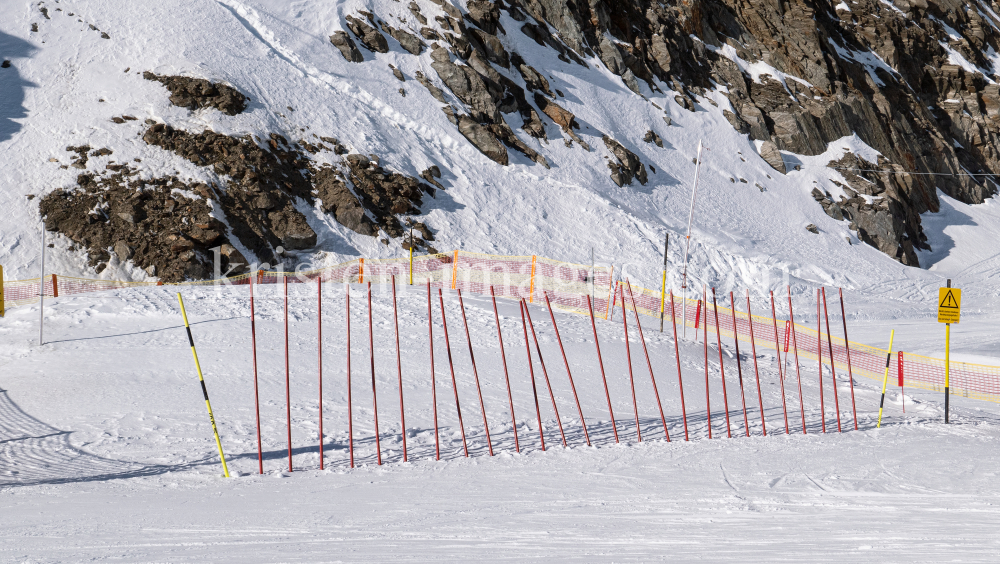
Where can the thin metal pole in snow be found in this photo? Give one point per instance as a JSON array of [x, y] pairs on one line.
[[600, 362], [572, 386], [677, 355], [833, 371], [739, 364], [451, 366], [319, 350], [545, 373], [795, 348], [642, 339], [288, 396], [475, 373], [756, 371], [371, 356], [506, 374], [777, 349], [687, 244], [41, 291], [434, 397], [531, 372], [399, 367], [847, 349], [256, 395], [722, 368], [350, 409], [631, 378]]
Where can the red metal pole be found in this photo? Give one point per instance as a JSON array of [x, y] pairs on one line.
[[649, 365], [722, 369], [631, 379], [833, 370], [506, 375], [777, 349], [451, 366], [288, 396], [819, 349], [350, 408], [739, 363], [256, 396], [600, 362], [434, 397], [371, 356], [572, 386], [708, 405], [677, 355], [545, 374], [475, 373], [847, 348], [795, 347], [531, 371], [756, 371], [319, 340], [399, 367]]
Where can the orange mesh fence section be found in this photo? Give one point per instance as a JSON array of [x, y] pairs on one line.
[[567, 286]]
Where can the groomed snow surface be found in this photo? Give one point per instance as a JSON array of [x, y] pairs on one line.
[[108, 452]]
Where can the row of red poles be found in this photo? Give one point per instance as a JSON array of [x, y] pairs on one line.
[[528, 325]]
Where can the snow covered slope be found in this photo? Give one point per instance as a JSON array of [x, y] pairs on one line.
[[73, 82]]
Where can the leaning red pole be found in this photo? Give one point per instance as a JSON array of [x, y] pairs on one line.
[[795, 347], [847, 348], [756, 371], [288, 396], [256, 396], [833, 370], [434, 397], [531, 371], [600, 362], [819, 349], [722, 368], [350, 408], [649, 365], [371, 356], [739, 363], [506, 375], [399, 367], [777, 349], [451, 366], [631, 378], [475, 373], [677, 355], [708, 405], [545, 374], [568, 373], [319, 346]]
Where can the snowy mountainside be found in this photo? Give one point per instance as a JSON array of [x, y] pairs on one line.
[[74, 81]]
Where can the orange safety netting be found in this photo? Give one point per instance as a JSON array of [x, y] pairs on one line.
[[567, 286]]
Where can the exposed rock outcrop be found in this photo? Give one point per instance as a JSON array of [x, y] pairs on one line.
[[628, 166], [342, 41], [195, 93]]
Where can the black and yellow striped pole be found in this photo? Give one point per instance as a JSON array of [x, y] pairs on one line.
[[204, 390], [885, 380]]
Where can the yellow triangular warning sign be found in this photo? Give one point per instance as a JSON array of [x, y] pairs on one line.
[[949, 300]]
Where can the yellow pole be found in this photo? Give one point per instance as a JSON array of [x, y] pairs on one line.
[[211, 417], [531, 287], [947, 367], [411, 264], [885, 380]]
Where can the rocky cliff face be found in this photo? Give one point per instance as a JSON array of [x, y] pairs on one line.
[[911, 78]]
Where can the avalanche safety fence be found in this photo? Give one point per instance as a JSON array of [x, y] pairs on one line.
[[567, 286]]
